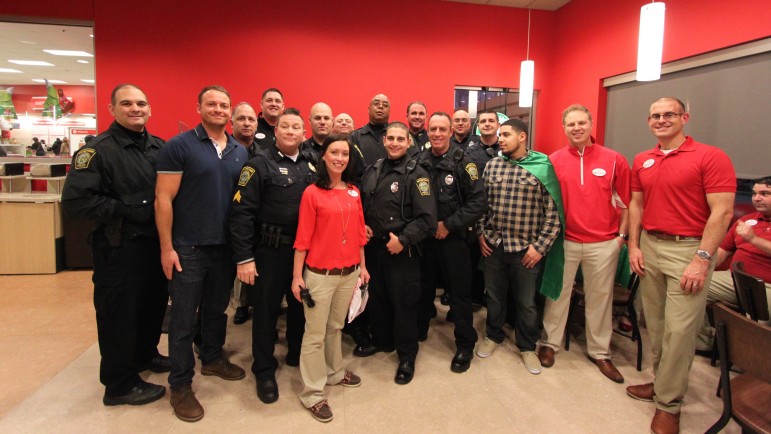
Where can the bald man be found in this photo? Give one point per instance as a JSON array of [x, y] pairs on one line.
[[369, 138], [321, 126], [461, 130], [342, 124]]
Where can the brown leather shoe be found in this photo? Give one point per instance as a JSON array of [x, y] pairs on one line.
[[641, 392], [321, 411], [185, 405], [665, 423], [608, 369], [224, 369], [546, 356]]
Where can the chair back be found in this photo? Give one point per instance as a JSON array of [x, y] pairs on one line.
[[748, 342], [750, 292]]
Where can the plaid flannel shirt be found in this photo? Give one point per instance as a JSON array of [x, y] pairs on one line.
[[520, 209]]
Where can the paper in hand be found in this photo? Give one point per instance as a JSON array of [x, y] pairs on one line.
[[358, 301]]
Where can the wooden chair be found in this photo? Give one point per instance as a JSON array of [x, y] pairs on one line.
[[750, 293], [746, 397], [622, 297]]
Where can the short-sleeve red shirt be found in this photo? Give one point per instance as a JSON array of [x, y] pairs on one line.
[[327, 217], [675, 186], [756, 261]]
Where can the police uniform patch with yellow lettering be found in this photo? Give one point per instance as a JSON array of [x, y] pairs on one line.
[[246, 175], [424, 186], [472, 171], [84, 158]]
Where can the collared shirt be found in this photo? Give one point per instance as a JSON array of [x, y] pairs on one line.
[[265, 136], [756, 262], [521, 210], [481, 154], [420, 139], [465, 142]]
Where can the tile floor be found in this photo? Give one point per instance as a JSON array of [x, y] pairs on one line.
[[49, 375]]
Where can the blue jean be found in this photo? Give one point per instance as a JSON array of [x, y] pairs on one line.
[[504, 274], [205, 280]]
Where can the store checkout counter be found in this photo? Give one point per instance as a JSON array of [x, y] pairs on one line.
[[34, 236]]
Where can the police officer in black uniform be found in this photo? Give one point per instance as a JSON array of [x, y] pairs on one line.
[[460, 202], [263, 224], [272, 105], [461, 130], [416, 120], [112, 181], [400, 212]]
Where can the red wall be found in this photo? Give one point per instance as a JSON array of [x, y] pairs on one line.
[[410, 49], [83, 96], [598, 39]]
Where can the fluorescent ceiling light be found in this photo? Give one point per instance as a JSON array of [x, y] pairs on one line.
[[82, 61], [12, 71], [31, 62], [40, 80], [69, 53], [84, 80]]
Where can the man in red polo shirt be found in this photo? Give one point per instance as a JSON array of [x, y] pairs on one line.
[[682, 202], [595, 185], [749, 241]]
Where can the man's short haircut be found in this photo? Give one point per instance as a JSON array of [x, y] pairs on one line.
[[121, 86], [671, 98], [290, 111], [576, 108], [235, 108], [518, 124], [216, 87], [409, 106], [269, 90], [440, 114], [487, 112], [766, 180], [398, 124]]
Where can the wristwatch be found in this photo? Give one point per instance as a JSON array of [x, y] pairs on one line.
[[703, 254], [624, 236]]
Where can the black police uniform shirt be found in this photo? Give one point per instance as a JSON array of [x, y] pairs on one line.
[[460, 195], [465, 142], [311, 146], [420, 139], [265, 136], [112, 180], [481, 154], [398, 200], [369, 139], [269, 191]]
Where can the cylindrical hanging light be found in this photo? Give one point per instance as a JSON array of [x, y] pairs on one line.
[[526, 73], [526, 79], [651, 42]]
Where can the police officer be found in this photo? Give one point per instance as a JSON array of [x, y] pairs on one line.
[[271, 106], [263, 224], [112, 181], [460, 202], [400, 212]]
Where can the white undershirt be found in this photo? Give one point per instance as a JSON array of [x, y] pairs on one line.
[[216, 148]]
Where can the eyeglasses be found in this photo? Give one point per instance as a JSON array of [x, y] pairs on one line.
[[669, 116], [381, 104]]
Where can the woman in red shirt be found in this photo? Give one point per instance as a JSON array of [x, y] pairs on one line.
[[328, 261]]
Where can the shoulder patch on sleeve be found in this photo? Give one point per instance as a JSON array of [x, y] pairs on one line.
[[246, 175], [424, 186], [472, 171], [84, 158]]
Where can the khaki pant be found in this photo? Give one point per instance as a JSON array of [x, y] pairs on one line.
[[672, 316], [598, 263], [721, 289], [321, 357]]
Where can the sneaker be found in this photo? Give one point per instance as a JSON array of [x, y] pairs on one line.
[[350, 380], [487, 348], [321, 411], [224, 369], [532, 364], [186, 406]]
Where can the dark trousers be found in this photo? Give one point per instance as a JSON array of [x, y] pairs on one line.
[[505, 275], [449, 258], [130, 298], [394, 291], [477, 275], [274, 266], [206, 278]]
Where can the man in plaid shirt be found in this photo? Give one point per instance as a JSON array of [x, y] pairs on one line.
[[520, 227]]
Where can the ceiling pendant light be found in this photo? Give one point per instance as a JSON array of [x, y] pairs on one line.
[[526, 74], [651, 42]]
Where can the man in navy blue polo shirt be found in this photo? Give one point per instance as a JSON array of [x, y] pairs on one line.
[[197, 171]]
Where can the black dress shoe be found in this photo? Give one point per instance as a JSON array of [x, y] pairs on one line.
[[292, 359], [267, 390], [369, 350], [242, 315], [405, 372], [422, 335], [462, 360], [158, 364], [142, 393], [445, 299]]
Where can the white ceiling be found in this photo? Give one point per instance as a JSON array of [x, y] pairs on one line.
[[27, 41], [548, 5]]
